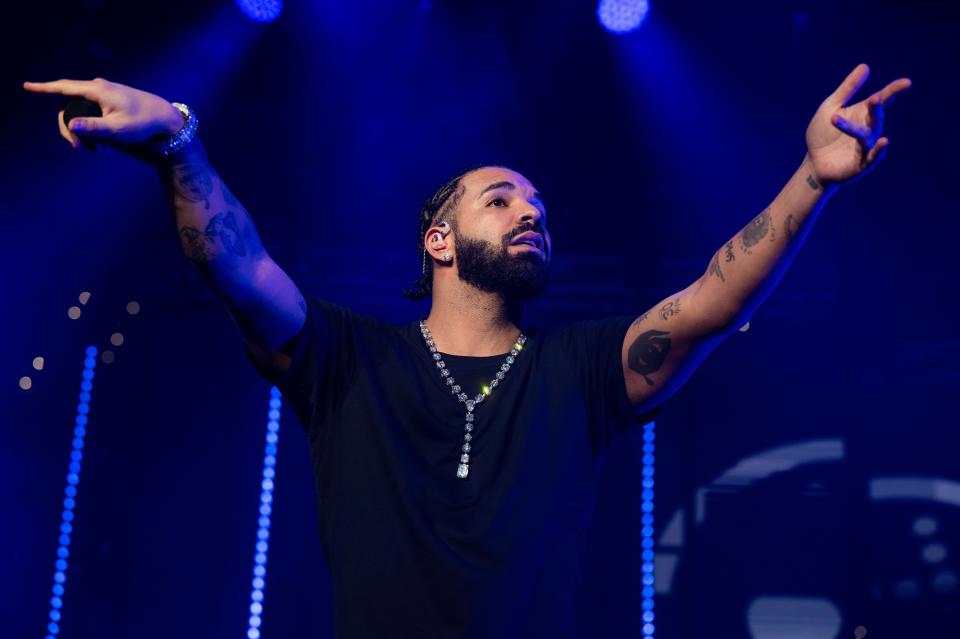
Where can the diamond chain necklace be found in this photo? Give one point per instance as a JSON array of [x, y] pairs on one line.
[[464, 468]]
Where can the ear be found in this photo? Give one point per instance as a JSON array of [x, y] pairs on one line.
[[437, 242]]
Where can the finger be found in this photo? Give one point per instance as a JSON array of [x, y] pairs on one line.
[[90, 89], [92, 127], [850, 85], [878, 151], [875, 105], [859, 131], [67, 134], [889, 92]]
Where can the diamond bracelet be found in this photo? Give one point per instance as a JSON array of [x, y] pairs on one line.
[[181, 138]]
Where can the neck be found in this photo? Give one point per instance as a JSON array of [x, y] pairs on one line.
[[467, 321]]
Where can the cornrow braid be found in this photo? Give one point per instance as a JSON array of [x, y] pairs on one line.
[[435, 210]]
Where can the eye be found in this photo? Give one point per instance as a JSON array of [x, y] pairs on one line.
[[494, 201]]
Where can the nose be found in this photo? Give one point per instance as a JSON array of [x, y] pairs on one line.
[[530, 214]]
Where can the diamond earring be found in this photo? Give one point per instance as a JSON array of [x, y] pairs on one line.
[[447, 257]]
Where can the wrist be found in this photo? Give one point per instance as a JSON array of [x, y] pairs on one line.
[[173, 121], [808, 172], [181, 137], [192, 153]]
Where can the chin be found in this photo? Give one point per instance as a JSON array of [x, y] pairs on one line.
[[528, 287]]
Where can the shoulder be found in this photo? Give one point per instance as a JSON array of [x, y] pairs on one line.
[[590, 333]]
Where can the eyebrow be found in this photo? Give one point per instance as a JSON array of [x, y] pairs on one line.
[[510, 186]]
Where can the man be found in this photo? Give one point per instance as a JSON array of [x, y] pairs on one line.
[[456, 457]]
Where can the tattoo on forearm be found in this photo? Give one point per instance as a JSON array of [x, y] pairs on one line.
[[222, 226], [648, 352], [670, 309], [813, 183], [728, 254], [715, 268], [195, 244], [789, 228], [758, 228], [193, 182]]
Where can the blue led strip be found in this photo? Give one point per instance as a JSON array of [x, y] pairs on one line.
[[263, 522], [70, 493], [646, 533]]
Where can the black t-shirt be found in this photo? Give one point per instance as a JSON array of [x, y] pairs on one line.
[[414, 551]]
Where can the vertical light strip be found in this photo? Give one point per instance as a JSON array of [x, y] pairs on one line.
[[649, 435], [70, 493], [263, 522]]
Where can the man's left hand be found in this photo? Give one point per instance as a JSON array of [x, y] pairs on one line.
[[844, 141]]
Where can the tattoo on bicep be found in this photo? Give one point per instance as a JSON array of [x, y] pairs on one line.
[[639, 320], [224, 226], [789, 228], [715, 268], [193, 182], [648, 352], [728, 253], [758, 228], [198, 247], [670, 309], [813, 183]]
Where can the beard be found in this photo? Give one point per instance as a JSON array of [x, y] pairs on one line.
[[492, 269]]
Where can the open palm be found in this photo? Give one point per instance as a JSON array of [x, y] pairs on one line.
[[844, 141]]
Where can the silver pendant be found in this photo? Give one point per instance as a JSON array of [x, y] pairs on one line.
[[462, 471]]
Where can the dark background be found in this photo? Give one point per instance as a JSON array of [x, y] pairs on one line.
[[332, 124]]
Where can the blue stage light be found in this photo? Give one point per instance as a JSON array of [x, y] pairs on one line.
[[261, 10], [70, 494], [646, 506], [263, 521], [621, 16]]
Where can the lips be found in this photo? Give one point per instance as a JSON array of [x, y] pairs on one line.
[[529, 238]]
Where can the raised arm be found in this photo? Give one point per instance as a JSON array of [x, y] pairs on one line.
[[216, 232], [665, 345]]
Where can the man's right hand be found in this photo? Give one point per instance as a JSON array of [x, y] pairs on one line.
[[129, 115], [215, 230]]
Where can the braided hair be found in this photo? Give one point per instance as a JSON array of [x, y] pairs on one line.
[[435, 210]]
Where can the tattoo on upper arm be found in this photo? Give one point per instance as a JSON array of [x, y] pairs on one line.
[[648, 352], [789, 228], [640, 319], [715, 267], [670, 309], [728, 255], [813, 183], [193, 182], [758, 228]]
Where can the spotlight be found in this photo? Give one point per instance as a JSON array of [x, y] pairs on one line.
[[621, 16], [261, 10]]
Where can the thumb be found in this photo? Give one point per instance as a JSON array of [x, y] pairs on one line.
[[94, 127]]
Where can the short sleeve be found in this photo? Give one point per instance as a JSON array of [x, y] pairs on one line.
[[321, 361], [595, 348]]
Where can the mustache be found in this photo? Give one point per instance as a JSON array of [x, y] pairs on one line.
[[536, 227]]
